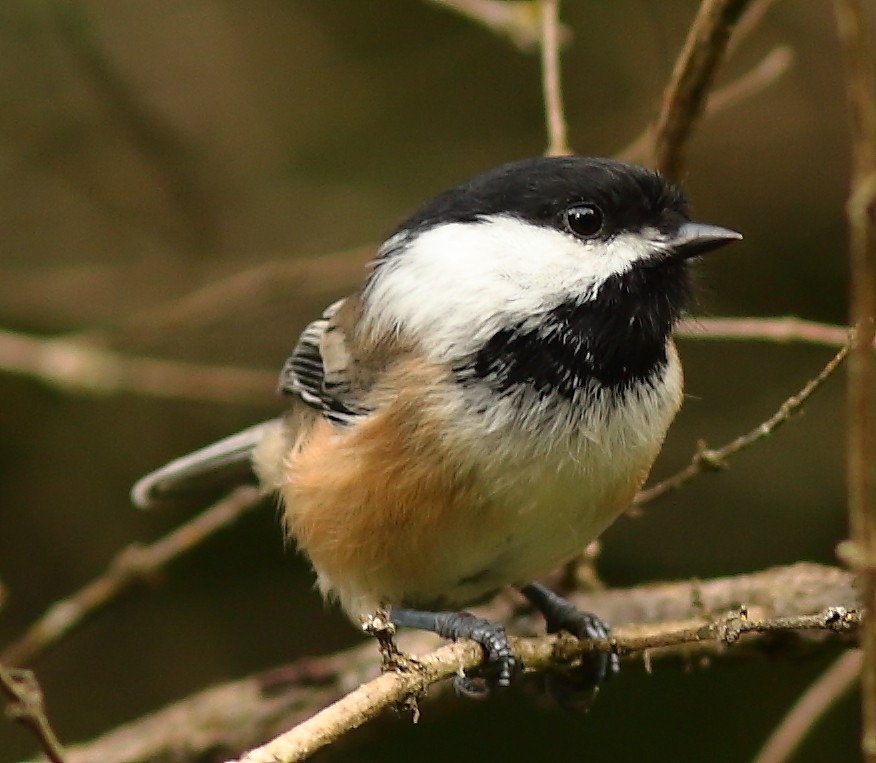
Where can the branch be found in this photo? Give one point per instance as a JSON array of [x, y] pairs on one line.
[[706, 459], [685, 96], [516, 19], [810, 707], [533, 654], [28, 708], [235, 716], [771, 68], [748, 22], [130, 566], [551, 83], [274, 279], [774, 64], [74, 365], [177, 164], [860, 81], [781, 330]]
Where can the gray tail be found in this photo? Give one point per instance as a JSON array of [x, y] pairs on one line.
[[223, 463]]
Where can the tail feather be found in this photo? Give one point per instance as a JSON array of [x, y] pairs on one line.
[[227, 461]]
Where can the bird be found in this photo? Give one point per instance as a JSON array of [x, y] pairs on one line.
[[486, 403]]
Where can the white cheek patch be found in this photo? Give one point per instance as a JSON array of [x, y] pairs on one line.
[[455, 285]]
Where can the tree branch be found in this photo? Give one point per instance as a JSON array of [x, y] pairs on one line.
[[395, 687], [27, 706], [781, 330], [213, 302], [551, 81], [860, 81], [810, 707], [74, 365], [235, 716], [685, 96], [130, 566], [707, 459], [178, 166], [516, 19], [771, 68], [79, 367]]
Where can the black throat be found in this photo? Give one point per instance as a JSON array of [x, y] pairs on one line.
[[617, 339]]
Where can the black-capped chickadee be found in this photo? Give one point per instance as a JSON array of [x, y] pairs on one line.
[[488, 401]]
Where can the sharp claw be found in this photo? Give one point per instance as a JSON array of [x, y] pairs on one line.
[[499, 659], [492, 637], [595, 668], [471, 687]]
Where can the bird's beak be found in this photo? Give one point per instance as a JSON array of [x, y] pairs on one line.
[[694, 239]]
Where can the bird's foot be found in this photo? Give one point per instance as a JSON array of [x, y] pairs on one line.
[[574, 689], [499, 659]]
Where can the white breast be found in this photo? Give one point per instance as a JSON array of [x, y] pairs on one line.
[[554, 485]]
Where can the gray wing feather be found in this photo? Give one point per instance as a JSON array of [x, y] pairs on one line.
[[316, 373], [225, 462]]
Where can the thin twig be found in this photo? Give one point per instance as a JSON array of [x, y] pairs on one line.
[[80, 367], [809, 708], [773, 65], [516, 19], [303, 277], [538, 654], [748, 22], [685, 96], [860, 81], [551, 82], [707, 459], [130, 566], [766, 73], [781, 330], [178, 165], [27, 706]]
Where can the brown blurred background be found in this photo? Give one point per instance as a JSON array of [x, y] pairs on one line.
[[148, 149]]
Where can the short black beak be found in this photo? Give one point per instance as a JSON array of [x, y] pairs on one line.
[[694, 239]]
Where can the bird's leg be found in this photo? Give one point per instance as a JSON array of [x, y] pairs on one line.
[[576, 688], [455, 625]]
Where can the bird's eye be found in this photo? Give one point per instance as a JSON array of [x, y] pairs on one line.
[[584, 220]]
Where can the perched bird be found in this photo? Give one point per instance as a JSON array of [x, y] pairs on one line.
[[489, 400]]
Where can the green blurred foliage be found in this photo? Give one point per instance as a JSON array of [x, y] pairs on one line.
[[148, 149]]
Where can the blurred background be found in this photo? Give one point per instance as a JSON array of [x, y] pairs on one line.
[[149, 150]]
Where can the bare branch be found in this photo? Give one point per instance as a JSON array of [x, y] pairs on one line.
[[781, 330], [551, 81], [277, 278], [748, 22], [830, 687], [860, 81], [130, 566], [83, 368], [765, 74], [177, 163], [773, 65], [685, 96], [75, 365], [533, 654], [238, 715], [27, 706], [707, 459], [516, 19]]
